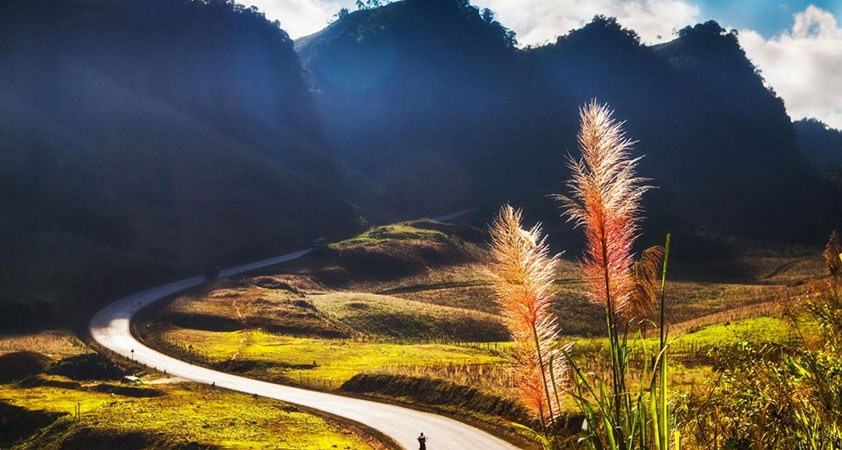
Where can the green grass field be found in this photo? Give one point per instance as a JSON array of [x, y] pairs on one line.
[[291, 359], [330, 315], [707, 292], [39, 411], [186, 413]]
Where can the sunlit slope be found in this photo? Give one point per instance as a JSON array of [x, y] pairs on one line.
[[147, 190], [143, 139]]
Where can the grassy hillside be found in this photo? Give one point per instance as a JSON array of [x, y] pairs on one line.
[[185, 417], [44, 409], [287, 359], [396, 318], [328, 315], [433, 338]]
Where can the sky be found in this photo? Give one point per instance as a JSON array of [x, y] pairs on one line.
[[796, 44]]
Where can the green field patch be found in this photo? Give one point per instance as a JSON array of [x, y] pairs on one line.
[[334, 315], [403, 231], [53, 343], [336, 361], [756, 329], [187, 413]]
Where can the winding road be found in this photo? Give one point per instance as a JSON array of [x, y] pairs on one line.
[[110, 327]]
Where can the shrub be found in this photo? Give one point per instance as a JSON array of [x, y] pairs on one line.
[[88, 366]]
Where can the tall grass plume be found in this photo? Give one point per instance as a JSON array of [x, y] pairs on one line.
[[525, 271], [605, 202]]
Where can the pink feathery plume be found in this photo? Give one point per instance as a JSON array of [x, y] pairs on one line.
[[605, 202], [524, 273]]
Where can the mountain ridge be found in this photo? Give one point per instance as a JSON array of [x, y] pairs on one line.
[[717, 139], [131, 156]]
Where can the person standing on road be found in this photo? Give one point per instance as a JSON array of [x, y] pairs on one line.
[[422, 442]]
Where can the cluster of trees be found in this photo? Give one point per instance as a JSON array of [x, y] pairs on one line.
[[821, 144]]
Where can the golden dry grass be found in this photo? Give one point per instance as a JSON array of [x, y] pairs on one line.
[[53, 343], [186, 413]]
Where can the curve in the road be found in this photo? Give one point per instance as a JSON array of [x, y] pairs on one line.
[[111, 328]]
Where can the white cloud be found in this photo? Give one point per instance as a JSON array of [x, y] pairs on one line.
[[803, 64], [534, 21], [299, 17], [540, 21]]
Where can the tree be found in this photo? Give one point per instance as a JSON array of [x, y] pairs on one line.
[[369, 4]]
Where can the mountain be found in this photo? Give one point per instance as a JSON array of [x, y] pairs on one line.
[[431, 98], [434, 98], [143, 139], [717, 141], [821, 145]]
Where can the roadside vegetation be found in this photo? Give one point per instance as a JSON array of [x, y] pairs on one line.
[[184, 416], [321, 363], [779, 396], [73, 398]]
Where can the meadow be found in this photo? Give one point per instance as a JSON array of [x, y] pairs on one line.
[[40, 409], [183, 416], [53, 343], [399, 338], [431, 336], [322, 363]]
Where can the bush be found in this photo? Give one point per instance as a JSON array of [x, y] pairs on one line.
[[88, 366]]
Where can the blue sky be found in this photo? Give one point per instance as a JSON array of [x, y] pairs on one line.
[[796, 44], [767, 17]]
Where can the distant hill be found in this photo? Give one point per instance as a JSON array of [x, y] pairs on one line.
[[821, 144], [718, 143]]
